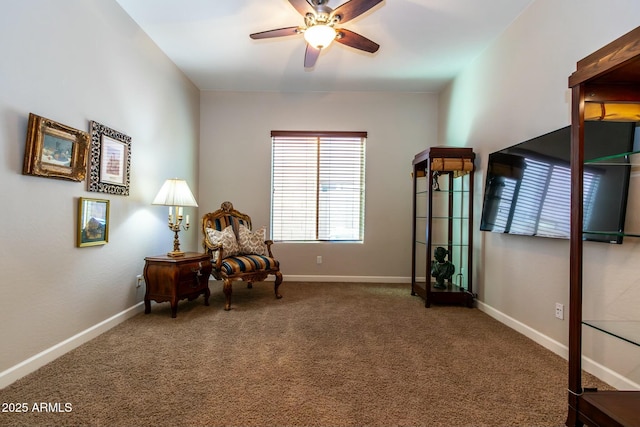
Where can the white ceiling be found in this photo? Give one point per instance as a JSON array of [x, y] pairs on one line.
[[424, 43]]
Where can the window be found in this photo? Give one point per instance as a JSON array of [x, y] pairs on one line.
[[317, 186]]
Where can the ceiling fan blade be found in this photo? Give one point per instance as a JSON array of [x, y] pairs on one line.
[[353, 8], [310, 56], [357, 41], [302, 6], [280, 32]]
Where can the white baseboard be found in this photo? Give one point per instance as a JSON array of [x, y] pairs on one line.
[[589, 365], [545, 341], [607, 375], [351, 279], [37, 361]]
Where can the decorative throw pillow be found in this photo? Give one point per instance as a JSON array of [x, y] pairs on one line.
[[251, 242], [226, 238]]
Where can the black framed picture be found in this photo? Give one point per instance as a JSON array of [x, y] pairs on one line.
[[110, 165]]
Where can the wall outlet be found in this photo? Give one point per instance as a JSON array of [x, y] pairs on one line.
[[139, 280], [559, 311], [319, 259]]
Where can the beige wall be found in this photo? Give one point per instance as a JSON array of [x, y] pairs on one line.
[[74, 61], [236, 157], [517, 90]]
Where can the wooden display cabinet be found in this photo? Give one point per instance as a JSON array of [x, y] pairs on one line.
[[605, 86], [443, 218]]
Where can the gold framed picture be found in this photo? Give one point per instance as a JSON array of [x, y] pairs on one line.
[[54, 150], [110, 160], [93, 222]]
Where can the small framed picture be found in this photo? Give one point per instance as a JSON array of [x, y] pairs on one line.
[[110, 160], [54, 150], [93, 222]]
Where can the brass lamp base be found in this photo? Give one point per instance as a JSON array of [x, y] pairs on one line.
[[176, 252], [175, 227]]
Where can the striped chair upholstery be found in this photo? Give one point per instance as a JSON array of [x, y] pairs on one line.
[[248, 263], [249, 267]]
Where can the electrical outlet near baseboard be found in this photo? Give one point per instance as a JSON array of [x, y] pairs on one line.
[[559, 311], [139, 280]]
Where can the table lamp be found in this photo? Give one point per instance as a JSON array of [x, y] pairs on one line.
[[176, 194]]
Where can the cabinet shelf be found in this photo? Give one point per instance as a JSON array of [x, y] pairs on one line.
[[613, 233], [444, 192], [629, 158], [451, 244], [626, 330], [449, 295], [450, 217]]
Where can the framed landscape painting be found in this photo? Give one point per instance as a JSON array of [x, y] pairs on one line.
[[93, 222], [54, 150]]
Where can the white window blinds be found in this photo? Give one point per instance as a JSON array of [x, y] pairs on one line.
[[317, 185]]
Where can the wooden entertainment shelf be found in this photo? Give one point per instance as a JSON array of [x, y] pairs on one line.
[[605, 86]]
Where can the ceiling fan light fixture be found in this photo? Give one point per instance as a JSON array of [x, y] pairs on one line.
[[320, 35], [319, 28]]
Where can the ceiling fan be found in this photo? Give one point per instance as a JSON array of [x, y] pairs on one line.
[[320, 27]]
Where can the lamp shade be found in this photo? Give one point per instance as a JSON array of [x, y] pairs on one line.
[[175, 192], [320, 36]]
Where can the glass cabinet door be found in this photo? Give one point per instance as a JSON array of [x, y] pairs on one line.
[[450, 225]]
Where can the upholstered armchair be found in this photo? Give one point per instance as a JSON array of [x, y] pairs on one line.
[[238, 252]]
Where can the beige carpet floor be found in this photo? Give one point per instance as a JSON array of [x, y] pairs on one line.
[[326, 354]]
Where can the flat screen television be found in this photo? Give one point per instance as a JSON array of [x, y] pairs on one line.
[[528, 186]]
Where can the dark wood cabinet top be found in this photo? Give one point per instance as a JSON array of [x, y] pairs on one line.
[[188, 256]]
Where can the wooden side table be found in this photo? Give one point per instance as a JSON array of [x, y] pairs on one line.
[[172, 279]]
